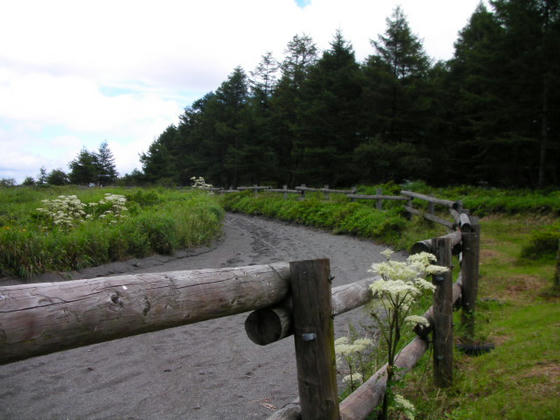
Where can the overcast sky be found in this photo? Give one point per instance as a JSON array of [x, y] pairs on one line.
[[76, 73]]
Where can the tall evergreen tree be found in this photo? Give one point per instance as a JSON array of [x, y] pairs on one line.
[[396, 95], [159, 162], [84, 169], [478, 82], [328, 117], [107, 171], [301, 55], [532, 39]]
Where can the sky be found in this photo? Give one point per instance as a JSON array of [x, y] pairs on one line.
[[74, 74]]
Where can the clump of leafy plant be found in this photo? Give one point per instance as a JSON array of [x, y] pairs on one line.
[[543, 243], [400, 286]]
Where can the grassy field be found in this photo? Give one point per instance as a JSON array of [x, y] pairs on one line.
[[155, 221], [517, 309], [519, 312]]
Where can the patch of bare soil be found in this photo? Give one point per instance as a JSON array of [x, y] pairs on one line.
[[209, 370]]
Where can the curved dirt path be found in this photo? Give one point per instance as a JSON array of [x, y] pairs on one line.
[[209, 370]]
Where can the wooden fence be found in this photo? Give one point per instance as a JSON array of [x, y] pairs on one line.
[[455, 208], [286, 299]]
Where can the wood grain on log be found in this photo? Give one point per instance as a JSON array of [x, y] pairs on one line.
[[46, 317]]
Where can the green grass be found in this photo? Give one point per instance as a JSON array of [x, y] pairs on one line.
[[517, 312], [158, 221]]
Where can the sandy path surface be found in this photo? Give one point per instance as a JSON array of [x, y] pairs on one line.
[[209, 370]]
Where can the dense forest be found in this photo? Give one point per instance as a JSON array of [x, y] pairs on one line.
[[488, 116]]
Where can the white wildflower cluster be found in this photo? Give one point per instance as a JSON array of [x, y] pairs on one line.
[[353, 379], [114, 206], [351, 353], [401, 284], [404, 406], [65, 211], [343, 346], [405, 278], [200, 184]]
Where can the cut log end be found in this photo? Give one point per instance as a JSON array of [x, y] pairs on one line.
[[268, 325]]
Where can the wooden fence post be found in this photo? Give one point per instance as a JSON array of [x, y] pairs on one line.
[[314, 339], [469, 271], [443, 315], [379, 191], [285, 187], [327, 195], [557, 274]]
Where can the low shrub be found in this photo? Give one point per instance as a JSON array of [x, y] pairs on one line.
[[341, 217], [543, 243]]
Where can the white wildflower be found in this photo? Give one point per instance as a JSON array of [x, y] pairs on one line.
[[417, 319], [436, 269], [405, 406], [342, 340], [387, 253], [353, 378]]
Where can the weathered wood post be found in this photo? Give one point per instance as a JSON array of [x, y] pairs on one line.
[[379, 191], [314, 339], [443, 315], [326, 192], [285, 187], [557, 274], [431, 207], [469, 271]]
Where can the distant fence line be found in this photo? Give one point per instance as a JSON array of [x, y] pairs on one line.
[[457, 212]]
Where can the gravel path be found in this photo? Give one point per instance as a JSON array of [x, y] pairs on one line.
[[209, 370]]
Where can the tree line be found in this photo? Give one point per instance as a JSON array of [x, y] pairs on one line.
[[489, 115], [87, 168]]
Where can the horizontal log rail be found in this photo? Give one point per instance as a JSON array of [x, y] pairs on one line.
[[268, 325], [430, 217], [376, 197], [254, 187], [426, 244], [42, 318], [445, 203]]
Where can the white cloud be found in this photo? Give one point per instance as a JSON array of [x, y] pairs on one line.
[[60, 57]]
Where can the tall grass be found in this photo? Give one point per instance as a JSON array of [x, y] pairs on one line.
[[158, 221]]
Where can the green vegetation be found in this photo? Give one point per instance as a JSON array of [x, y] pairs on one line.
[[340, 215], [156, 221], [518, 312], [518, 308]]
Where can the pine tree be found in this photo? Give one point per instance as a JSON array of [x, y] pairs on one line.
[[396, 95], [42, 177], [532, 37], [107, 172], [328, 117], [84, 169], [301, 55]]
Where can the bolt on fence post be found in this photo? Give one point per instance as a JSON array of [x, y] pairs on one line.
[[469, 272], [443, 315], [314, 339]]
